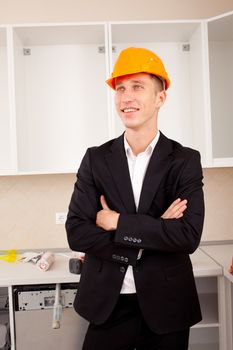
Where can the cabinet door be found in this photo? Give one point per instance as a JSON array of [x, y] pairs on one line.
[[220, 37], [61, 97], [5, 120], [205, 335], [181, 47], [4, 320]]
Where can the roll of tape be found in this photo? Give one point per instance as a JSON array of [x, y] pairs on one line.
[[45, 261]]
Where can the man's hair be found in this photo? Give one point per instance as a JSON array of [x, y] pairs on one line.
[[160, 83]]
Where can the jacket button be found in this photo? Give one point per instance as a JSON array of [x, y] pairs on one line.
[[130, 239], [114, 256], [126, 238], [134, 240], [122, 269], [139, 240]]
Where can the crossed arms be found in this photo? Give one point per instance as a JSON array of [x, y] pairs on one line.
[[102, 232], [108, 219]]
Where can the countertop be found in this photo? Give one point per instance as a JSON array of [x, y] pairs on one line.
[[20, 273], [222, 254]]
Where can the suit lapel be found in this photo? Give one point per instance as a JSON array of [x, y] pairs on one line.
[[157, 169], [118, 166]]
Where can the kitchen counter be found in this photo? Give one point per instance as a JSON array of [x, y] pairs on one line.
[[222, 254], [203, 265], [20, 273]]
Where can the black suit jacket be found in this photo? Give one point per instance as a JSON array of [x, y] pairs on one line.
[[163, 276]]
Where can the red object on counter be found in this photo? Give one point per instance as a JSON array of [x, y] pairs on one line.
[[231, 268]]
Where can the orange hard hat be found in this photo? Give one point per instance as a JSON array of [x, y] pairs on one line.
[[138, 60]]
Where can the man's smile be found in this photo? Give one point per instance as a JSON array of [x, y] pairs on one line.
[[129, 109]]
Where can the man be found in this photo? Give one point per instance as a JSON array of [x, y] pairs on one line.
[[137, 213]]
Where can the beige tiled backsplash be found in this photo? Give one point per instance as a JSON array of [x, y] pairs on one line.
[[218, 189], [28, 205]]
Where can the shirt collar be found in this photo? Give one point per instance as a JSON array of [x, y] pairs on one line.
[[148, 150]]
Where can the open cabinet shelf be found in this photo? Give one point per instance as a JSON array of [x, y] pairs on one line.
[[181, 47], [61, 98], [220, 40], [4, 319], [54, 102], [5, 118]]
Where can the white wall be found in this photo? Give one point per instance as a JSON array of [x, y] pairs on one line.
[[18, 11]]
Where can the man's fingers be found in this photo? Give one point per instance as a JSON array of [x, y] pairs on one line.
[[180, 207], [104, 203], [176, 209], [179, 211], [177, 201]]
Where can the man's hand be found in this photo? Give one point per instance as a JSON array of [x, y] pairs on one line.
[[107, 218], [176, 209]]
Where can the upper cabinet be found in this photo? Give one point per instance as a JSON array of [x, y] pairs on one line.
[[5, 116], [220, 40], [180, 45], [54, 102], [60, 95]]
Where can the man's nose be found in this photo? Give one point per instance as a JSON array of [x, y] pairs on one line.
[[127, 96]]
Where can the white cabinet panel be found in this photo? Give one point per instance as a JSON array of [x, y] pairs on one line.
[[202, 339], [220, 36], [5, 120], [54, 102], [181, 47], [61, 98]]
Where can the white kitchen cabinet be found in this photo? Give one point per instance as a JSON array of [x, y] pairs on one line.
[[223, 255], [205, 335], [4, 319], [229, 311], [181, 46], [220, 41], [208, 334], [60, 95], [5, 117], [54, 102]]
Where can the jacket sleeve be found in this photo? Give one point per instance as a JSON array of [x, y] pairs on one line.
[[82, 233], [169, 235]]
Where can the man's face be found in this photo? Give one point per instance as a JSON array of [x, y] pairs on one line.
[[138, 100]]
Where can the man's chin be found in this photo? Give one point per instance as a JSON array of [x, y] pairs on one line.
[[132, 126], [129, 122]]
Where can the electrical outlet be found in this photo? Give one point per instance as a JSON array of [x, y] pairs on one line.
[[61, 218]]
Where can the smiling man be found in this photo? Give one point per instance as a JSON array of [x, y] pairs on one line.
[[137, 213]]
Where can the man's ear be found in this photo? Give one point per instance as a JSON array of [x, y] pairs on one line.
[[161, 98]]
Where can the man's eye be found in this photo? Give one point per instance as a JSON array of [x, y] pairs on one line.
[[138, 87], [119, 88]]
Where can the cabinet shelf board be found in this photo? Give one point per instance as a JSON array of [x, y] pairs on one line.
[[151, 32], [209, 346], [223, 162], [60, 35], [205, 325], [2, 37]]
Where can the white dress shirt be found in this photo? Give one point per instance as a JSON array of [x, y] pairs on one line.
[[137, 169]]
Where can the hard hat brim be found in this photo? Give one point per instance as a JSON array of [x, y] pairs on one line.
[[111, 81]]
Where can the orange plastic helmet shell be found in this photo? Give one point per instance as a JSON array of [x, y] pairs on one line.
[[138, 60]]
